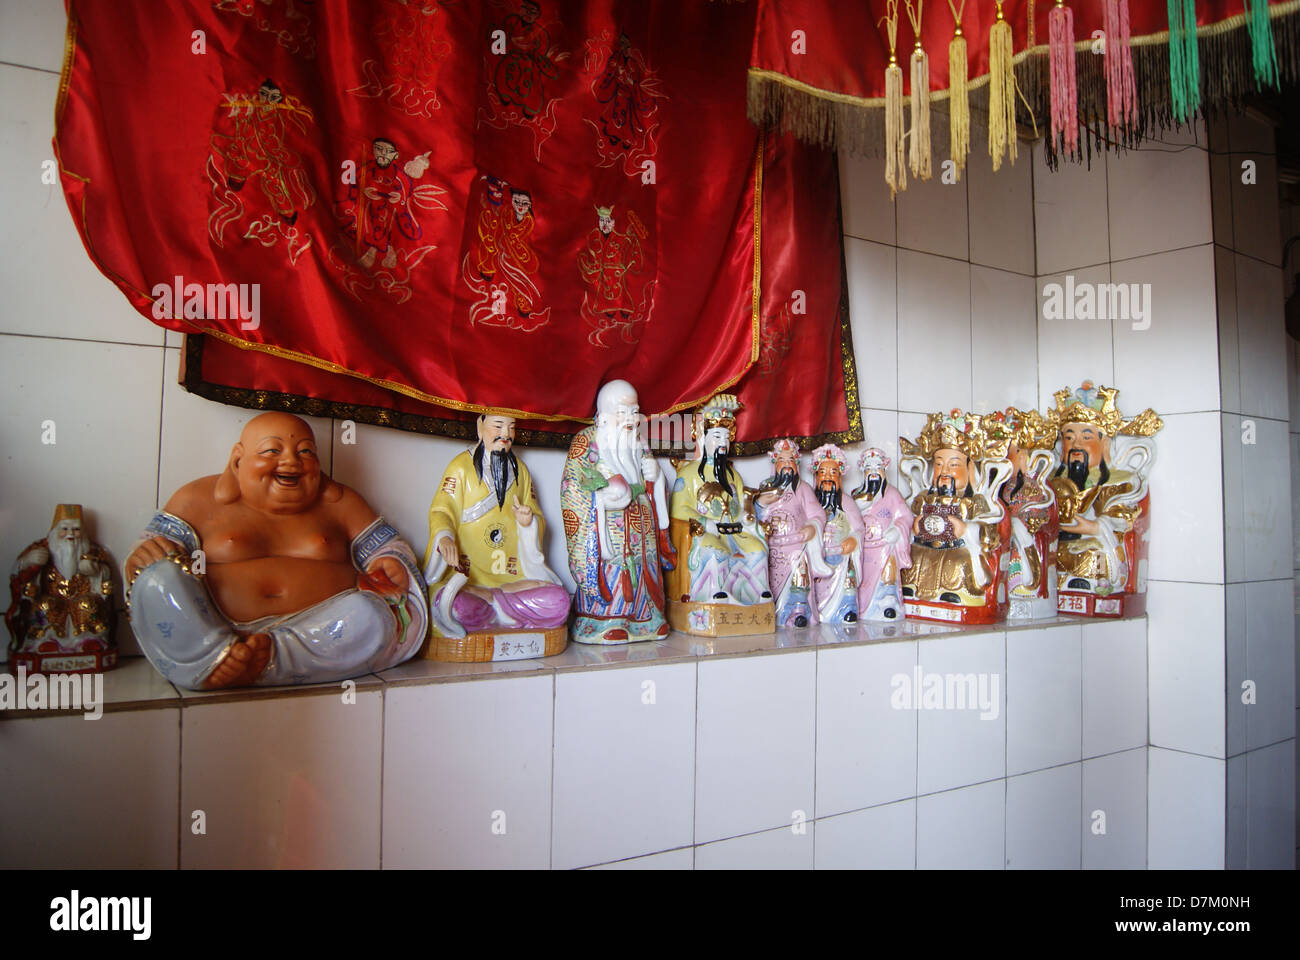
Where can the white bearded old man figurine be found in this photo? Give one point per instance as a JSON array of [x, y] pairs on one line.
[[61, 617], [837, 594], [613, 525], [886, 540], [793, 520]]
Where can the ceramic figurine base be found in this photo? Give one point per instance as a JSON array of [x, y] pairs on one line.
[[94, 662], [942, 612], [489, 645], [1032, 608], [1092, 605], [721, 619]]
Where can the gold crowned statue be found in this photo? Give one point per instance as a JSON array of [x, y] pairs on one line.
[[960, 531], [60, 617], [719, 586], [491, 594], [1104, 502]]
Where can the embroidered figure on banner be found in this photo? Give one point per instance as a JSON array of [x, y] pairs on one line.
[[380, 224], [612, 264], [627, 92], [283, 18], [254, 172], [413, 50], [520, 61], [501, 266], [775, 334]]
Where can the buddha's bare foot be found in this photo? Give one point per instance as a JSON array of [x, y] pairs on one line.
[[243, 662]]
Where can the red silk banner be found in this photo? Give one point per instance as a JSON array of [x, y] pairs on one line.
[[425, 208], [845, 46]]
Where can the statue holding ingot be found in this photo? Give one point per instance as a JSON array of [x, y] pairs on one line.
[[720, 584], [1104, 502], [491, 594], [960, 531]]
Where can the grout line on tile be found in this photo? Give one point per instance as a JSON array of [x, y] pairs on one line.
[[550, 842], [162, 410], [383, 753], [25, 66]]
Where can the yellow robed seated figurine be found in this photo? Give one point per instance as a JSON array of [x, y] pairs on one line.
[[961, 530], [491, 594], [719, 586], [1104, 502]]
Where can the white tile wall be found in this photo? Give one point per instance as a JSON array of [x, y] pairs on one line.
[[873, 313], [1261, 339], [1001, 210], [1185, 639], [1044, 698], [288, 783], [962, 746], [683, 859], [1043, 810], [1115, 811], [932, 218], [467, 775], [624, 767], [933, 332], [784, 849], [1225, 286], [1185, 821], [76, 798], [1114, 686], [1071, 351], [32, 33], [1070, 214], [1270, 663], [962, 829], [864, 199], [51, 287], [1270, 820], [1004, 340], [879, 838], [1257, 498], [866, 749], [1186, 498], [754, 744], [1177, 289], [1180, 177]]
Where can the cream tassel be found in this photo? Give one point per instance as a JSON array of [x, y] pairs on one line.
[[919, 148], [958, 98], [1002, 92], [895, 136]]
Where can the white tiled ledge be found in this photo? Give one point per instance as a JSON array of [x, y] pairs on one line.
[[135, 685]]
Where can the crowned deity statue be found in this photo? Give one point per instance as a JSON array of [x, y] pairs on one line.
[[1031, 503], [615, 524], [60, 617], [792, 520], [837, 594], [1104, 502], [491, 594], [720, 584], [273, 573], [960, 528], [886, 540]]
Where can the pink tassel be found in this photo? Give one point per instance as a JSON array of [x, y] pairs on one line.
[[1121, 91], [1065, 90]]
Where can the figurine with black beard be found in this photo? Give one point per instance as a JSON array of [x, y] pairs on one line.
[[793, 520], [720, 584], [837, 594], [958, 549], [491, 594], [886, 540], [1104, 506]]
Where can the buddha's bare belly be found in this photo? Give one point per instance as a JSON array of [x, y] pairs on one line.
[[273, 586]]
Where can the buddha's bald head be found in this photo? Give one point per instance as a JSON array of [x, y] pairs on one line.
[[274, 468]]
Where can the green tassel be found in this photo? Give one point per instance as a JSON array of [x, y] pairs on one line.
[[1262, 52], [1184, 60]]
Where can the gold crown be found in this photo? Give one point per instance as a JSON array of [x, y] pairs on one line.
[[66, 511], [721, 412], [1096, 406], [979, 437], [1027, 429]]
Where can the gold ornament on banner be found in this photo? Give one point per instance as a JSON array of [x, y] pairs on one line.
[[919, 150]]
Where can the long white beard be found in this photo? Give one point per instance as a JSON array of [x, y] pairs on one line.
[[619, 452], [66, 554]]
